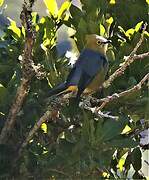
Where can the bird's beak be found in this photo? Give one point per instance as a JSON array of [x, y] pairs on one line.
[[108, 42]]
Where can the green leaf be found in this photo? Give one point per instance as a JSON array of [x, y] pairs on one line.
[[110, 55], [102, 30], [121, 163], [110, 129], [138, 26], [147, 1], [136, 159], [52, 7], [13, 27], [129, 32], [64, 7], [112, 2], [127, 162], [76, 13], [44, 127], [138, 176], [110, 20], [35, 17], [122, 142], [1, 2], [126, 130], [82, 26]]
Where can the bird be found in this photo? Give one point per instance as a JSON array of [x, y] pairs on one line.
[[89, 71]]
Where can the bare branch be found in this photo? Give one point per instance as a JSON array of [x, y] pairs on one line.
[[120, 71], [127, 61], [50, 115], [47, 115], [59, 172], [98, 113], [139, 43], [137, 87], [27, 74]]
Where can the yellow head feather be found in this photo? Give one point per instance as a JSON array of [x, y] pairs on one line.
[[97, 43]]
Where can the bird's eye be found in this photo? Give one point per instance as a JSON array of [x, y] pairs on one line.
[[98, 42]]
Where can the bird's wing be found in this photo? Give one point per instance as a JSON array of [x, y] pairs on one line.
[[86, 68], [58, 89], [70, 84]]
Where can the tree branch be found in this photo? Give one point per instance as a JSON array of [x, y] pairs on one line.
[[137, 87], [127, 61], [47, 115], [121, 70], [105, 101], [51, 114], [27, 74]]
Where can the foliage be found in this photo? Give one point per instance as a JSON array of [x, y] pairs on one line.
[[78, 145]]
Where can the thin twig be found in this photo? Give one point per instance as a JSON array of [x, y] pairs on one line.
[[127, 61], [138, 44], [98, 113], [59, 172], [50, 115], [146, 162], [121, 70], [44, 118], [124, 93]]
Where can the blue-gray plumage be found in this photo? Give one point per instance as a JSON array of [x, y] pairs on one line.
[[90, 69]]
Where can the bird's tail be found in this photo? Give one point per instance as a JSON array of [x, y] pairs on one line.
[[57, 90]]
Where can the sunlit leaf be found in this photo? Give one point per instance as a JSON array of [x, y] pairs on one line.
[[52, 7], [1, 2], [138, 26], [102, 30], [147, 1], [37, 28], [42, 20], [110, 20], [121, 162], [129, 32], [44, 127], [146, 33], [105, 175], [64, 7], [112, 2], [14, 27], [34, 17], [47, 42], [66, 17], [126, 129]]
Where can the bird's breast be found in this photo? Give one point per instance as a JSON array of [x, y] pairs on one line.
[[95, 84]]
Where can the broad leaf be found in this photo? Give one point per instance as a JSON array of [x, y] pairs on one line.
[[52, 7], [136, 160], [64, 7], [13, 27], [1, 2]]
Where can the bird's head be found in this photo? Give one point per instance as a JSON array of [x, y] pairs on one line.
[[97, 43]]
